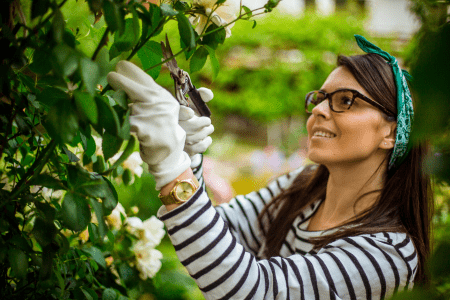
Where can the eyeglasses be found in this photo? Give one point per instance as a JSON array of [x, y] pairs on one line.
[[340, 100]]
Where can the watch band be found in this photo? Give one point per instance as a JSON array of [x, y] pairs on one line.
[[172, 197]]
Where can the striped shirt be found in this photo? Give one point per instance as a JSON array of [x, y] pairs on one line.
[[221, 247]]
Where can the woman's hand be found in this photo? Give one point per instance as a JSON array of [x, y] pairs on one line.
[[197, 128], [154, 118]]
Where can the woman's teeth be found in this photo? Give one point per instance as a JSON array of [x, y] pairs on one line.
[[324, 134]]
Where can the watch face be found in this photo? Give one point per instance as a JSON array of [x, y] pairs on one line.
[[184, 191]]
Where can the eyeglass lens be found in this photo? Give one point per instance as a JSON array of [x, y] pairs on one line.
[[340, 100]]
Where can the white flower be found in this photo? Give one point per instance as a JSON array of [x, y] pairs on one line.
[[98, 145], [148, 259], [154, 230], [114, 219], [151, 231], [223, 15], [133, 163]]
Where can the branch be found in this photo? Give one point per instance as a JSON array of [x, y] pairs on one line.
[[102, 43], [34, 170]]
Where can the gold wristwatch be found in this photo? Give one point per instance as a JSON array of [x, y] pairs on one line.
[[181, 192]]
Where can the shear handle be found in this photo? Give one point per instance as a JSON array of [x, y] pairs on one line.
[[197, 100]]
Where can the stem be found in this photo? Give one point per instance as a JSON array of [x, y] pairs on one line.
[[102, 43], [34, 170], [138, 47], [169, 59]]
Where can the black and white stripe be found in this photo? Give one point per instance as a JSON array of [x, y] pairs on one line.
[[219, 247]]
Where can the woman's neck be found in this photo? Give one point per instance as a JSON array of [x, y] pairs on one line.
[[345, 186]]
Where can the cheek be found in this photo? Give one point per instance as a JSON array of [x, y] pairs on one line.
[[309, 124], [361, 134]]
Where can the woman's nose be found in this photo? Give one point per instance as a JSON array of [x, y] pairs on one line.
[[322, 109]]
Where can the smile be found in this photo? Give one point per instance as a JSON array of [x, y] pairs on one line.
[[324, 134]]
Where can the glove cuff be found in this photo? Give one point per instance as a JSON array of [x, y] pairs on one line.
[[169, 169]]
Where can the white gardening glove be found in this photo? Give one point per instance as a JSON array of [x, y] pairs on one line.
[[154, 118], [197, 128]]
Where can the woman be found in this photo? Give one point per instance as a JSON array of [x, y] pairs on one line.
[[354, 226]]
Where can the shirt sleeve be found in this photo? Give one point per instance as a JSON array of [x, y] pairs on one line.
[[361, 267], [241, 212]]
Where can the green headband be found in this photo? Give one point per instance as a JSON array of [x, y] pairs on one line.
[[405, 112]]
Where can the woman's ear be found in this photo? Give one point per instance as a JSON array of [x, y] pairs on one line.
[[389, 131]]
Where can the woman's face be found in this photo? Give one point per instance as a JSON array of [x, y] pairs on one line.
[[351, 137]]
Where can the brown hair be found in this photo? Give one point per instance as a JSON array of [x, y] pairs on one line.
[[405, 203]]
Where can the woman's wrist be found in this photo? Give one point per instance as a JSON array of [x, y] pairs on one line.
[[165, 190]]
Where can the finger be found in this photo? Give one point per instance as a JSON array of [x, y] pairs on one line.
[[186, 113], [194, 124], [206, 94], [134, 90], [133, 72], [199, 147], [199, 135]]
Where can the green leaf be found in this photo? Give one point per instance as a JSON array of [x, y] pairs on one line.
[[72, 157], [254, 24], [248, 12], [127, 177], [113, 52], [58, 25], [41, 62], [126, 41], [44, 231], [187, 53], [89, 293], [109, 294], [120, 97], [47, 181], [97, 206], [99, 166], [107, 116], [214, 61], [18, 262], [93, 233], [39, 8], [96, 254], [129, 149], [65, 60], [198, 60], [167, 10], [86, 106], [110, 145], [180, 6], [151, 54], [214, 39], [91, 147], [114, 16], [155, 17], [90, 73], [62, 242], [186, 31], [62, 122], [47, 262], [271, 4], [111, 200], [75, 212], [218, 2], [50, 96], [77, 176]]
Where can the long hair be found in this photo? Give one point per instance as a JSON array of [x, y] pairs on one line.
[[405, 203]]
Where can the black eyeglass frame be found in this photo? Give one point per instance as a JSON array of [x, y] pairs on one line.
[[355, 93]]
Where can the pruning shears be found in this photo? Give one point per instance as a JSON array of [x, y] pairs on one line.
[[183, 84]]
